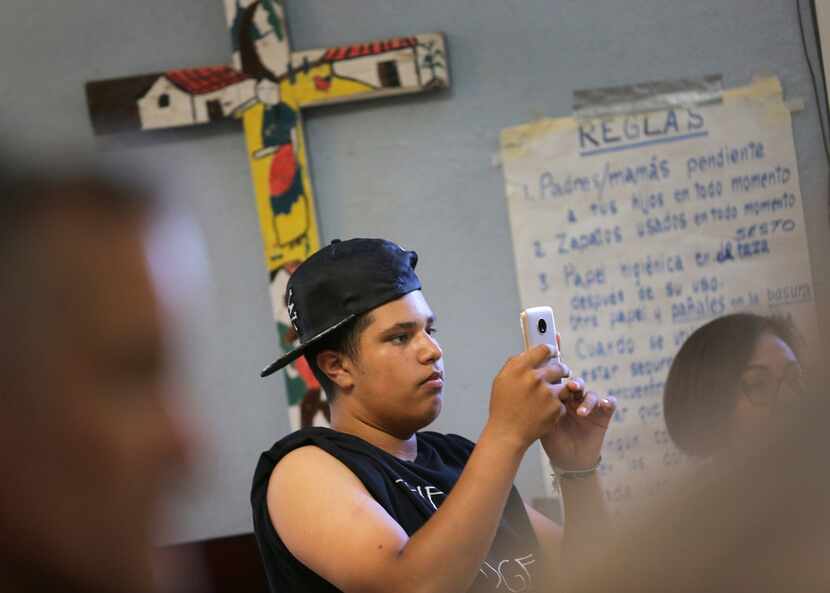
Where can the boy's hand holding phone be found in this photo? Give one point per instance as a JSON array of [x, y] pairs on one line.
[[524, 405], [575, 441]]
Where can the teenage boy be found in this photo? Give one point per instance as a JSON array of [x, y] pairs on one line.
[[374, 505]]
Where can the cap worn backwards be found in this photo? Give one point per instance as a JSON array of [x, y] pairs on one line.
[[340, 282]]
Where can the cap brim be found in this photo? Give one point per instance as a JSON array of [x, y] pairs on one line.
[[290, 357]]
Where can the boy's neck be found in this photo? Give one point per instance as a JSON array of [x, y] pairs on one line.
[[402, 448]]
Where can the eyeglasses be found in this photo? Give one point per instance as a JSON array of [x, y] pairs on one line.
[[762, 388]]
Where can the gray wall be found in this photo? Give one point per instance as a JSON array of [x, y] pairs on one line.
[[417, 170]]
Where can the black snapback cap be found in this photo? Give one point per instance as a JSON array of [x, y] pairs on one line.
[[340, 282]]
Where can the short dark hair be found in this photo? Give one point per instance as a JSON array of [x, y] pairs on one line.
[[24, 194], [709, 365], [27, 197], [346, 340]]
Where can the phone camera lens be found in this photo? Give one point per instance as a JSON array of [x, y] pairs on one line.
[[542, 325]]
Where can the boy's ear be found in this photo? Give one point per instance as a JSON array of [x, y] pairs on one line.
[[337, 368]]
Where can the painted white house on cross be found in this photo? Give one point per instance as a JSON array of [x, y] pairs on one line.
[[195, 95], [398, 67]]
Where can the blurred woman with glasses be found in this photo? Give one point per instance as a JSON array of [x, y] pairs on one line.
[[731, 379]]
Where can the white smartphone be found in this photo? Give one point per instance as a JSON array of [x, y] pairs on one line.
[[539, 327]]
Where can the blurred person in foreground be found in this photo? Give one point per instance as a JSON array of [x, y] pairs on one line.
[[88, 420], [729, 381], [757, 520]]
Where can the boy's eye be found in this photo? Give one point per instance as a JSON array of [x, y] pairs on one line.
[[399, 339], [432, 331]]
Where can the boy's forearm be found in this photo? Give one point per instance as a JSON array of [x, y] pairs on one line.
[[446, 553]]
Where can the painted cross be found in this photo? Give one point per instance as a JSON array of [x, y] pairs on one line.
[[267, 86]]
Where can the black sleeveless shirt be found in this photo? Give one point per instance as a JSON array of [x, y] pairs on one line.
[[410, 491]]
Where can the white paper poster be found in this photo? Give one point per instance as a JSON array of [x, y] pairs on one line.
[[637, 229]]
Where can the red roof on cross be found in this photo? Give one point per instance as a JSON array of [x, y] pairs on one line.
[[198, 81], [360, 50]]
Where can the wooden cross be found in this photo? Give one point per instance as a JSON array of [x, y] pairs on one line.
[[268, 85]]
